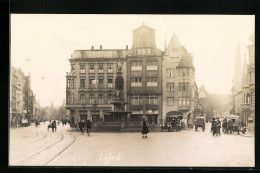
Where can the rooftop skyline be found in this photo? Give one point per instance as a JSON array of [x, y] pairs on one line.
[[42, 45]]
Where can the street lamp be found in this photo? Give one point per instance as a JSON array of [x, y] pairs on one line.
[[94, 108]]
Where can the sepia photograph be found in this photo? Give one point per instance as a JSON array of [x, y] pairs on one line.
[[132, 90]]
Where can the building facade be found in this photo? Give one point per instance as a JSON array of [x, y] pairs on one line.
[[91, 82], [144, 66], [178, 87], [243, 91], [156, 82], [21, 97]]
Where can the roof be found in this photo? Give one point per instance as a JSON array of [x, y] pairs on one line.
[[103, 53], [185, 62], [174, 113], [144, 26]]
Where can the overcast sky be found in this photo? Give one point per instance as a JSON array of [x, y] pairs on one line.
[[42, 44]]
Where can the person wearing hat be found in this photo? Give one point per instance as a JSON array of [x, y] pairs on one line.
[[145, 129], [230, 126], [213, 126], [218, 126]]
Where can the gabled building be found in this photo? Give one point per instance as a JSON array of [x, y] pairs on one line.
[[179, 86]]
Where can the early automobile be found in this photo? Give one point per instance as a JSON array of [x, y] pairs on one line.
[[238, 126], [173, 122], [200, 123]]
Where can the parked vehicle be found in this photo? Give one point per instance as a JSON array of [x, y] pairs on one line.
[[238, 126], [173, 122], [199, 123]]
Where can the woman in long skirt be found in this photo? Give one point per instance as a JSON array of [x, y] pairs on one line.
[[145, 129]]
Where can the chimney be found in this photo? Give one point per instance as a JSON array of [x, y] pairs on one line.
[[126, 47], [92, 47], [100, 47]]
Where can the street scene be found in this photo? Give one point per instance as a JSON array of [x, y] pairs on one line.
[[149, 90], [33, 146]]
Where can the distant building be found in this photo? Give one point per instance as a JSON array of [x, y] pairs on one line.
[[243, 90], [206, 103], [21, 97]]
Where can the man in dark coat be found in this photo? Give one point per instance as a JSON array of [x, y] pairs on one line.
[[54, 125], [82, 126], [145, 129], [224, 126], [213, 126], [230, 125], [88, 124], [218, 126]]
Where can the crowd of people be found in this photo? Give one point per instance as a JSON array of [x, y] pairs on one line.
[[228, 127], [82, 124]]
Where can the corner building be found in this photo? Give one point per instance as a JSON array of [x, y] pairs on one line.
[[91, 83]]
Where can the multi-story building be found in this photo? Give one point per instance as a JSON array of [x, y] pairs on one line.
[[156, 82], [20, 96], [206, 103], [91, 82], [144, 66], [243, 90], [178, 81]]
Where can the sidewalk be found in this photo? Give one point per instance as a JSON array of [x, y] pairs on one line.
[[248, 134]]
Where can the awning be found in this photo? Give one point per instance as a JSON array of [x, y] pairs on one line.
[[174, 114]]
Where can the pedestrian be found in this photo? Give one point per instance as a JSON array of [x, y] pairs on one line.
[[88, 124], [77, 125], [145, 129], [213, 126], [218, 126], [230, 125], [54, 126], [224, 126]]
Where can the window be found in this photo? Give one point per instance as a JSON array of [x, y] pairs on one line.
[[136, 100], [72, 98], [91, 69], [82, 69], [109, 98], [68, 83], [101, 82], [151, 65], [72, 83], [82, 83], [72, 67], [170, 72], [180, 101], [170, 86], [68, 98], [152, 81], [174, 49], [188, 73], [170, 100], [110, 82], [187, 86], [100, 69], [180, 73], [188, 101], [110, 68], [183, 101], [152, 99], [136, 81], [82, 98], [91, 98], [183, 86], [100, 98], [179, 86], [136, 65]]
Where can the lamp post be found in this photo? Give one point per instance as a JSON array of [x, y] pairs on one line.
[[94, 105], [153, 107]]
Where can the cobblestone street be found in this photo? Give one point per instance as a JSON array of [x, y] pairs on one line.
[[37, 146]]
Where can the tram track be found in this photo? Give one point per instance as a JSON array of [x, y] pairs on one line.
[[74, 138], [42, 155], [34, 141]]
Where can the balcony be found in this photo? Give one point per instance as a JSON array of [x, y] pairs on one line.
[[136, 68], [152, 84], [184, 108], [101, 85], [71, 74], [136, 84], [151, 67], [245, 106]]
